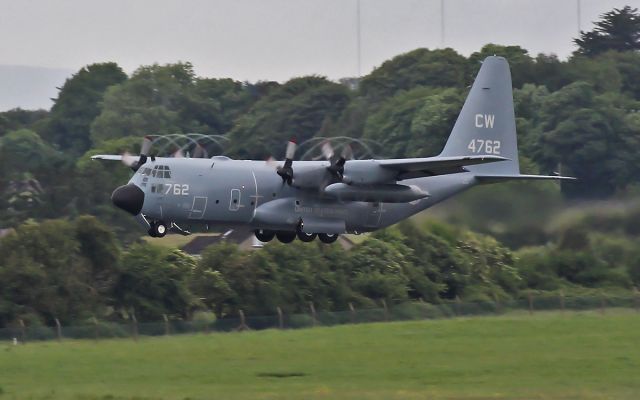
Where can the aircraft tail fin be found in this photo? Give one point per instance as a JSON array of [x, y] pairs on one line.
[[487, 125]]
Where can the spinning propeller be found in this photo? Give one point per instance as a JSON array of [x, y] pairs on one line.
[[286, 171], [131, 161]]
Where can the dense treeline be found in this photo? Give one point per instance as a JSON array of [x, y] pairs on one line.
[[74, 270], [578, 115]]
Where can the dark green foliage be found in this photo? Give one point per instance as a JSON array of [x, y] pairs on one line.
[[153, 281], [421, 67], [617, 30], [301, 109], [78, 104], [169, 99], [21, 119]]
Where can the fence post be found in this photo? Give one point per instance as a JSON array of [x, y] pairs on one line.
[[530, 298], [96, 329], [134, 326], [280, 318], [562, 300], [386, 310], [58, 329], [313, 313], [166, 325], [243, 323], [353, 313], [23, 331]]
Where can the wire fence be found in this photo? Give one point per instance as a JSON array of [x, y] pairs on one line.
[[20, 332]]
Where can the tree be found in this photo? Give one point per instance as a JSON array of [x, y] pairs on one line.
[[301, 108], [78, 104], [616, 30], [421, 67], [166, 99], [415, 123], [154, 281]]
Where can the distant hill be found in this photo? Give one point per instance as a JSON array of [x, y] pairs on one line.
[[29, 87]]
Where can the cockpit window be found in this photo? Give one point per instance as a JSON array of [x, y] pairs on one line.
[[159, 171]]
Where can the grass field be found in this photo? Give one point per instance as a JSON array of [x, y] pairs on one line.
[[547, 356]]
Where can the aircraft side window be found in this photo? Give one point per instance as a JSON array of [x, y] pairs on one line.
[[167, 174]]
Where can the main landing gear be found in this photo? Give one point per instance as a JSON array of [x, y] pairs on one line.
[[264, 235]]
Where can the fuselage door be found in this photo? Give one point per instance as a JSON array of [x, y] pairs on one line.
[[198, 208], [234, 201], [373, 215]]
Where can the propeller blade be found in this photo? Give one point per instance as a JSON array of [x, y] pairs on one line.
[[199, 151], [347, 152], [146, 145], [291, 149], [327, 150], [272, 162], [178, 154], [128, 159]]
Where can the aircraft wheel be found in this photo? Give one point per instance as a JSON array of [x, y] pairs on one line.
[[306, 237], [264, 235], [285, 236], [158, 229], [328, 237]]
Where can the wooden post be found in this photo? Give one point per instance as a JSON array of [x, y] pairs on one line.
[[353, 313], [167, 331], [562, 300], [280, 318], [58, 329], [530, 297], [96, 328], [23, 331], [134, 326], [313, 313], [243, 323], [386, 310]]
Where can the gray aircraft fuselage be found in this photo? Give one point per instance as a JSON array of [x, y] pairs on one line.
[[226, 193], [327, 198]]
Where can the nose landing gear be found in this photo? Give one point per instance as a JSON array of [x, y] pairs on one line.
[[158, 229]]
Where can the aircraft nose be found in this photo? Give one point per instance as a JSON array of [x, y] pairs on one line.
[[129, 198]]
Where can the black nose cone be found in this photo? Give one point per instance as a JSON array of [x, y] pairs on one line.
[[129, 198]]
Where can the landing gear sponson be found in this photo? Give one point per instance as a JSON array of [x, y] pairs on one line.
[[264, 235]]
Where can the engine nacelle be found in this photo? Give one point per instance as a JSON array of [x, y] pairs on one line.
[[384, 193], [366, 172]]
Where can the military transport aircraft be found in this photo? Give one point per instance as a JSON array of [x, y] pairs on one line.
[[309, 199]]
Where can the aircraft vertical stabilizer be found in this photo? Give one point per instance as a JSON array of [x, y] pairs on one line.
[[487, 125]]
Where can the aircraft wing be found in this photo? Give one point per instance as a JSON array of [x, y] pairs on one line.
[[108, 157], [416, 167], [502, 178]]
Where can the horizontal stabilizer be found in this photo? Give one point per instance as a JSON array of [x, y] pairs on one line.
[[502, 178]]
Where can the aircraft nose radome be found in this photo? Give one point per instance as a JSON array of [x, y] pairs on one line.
[[129, 198]]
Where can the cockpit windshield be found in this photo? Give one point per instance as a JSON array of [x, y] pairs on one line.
[[158, 171]]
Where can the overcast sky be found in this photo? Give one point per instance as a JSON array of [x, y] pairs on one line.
[[276, 39]]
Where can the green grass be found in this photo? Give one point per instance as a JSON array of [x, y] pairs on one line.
[[547, 356]]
